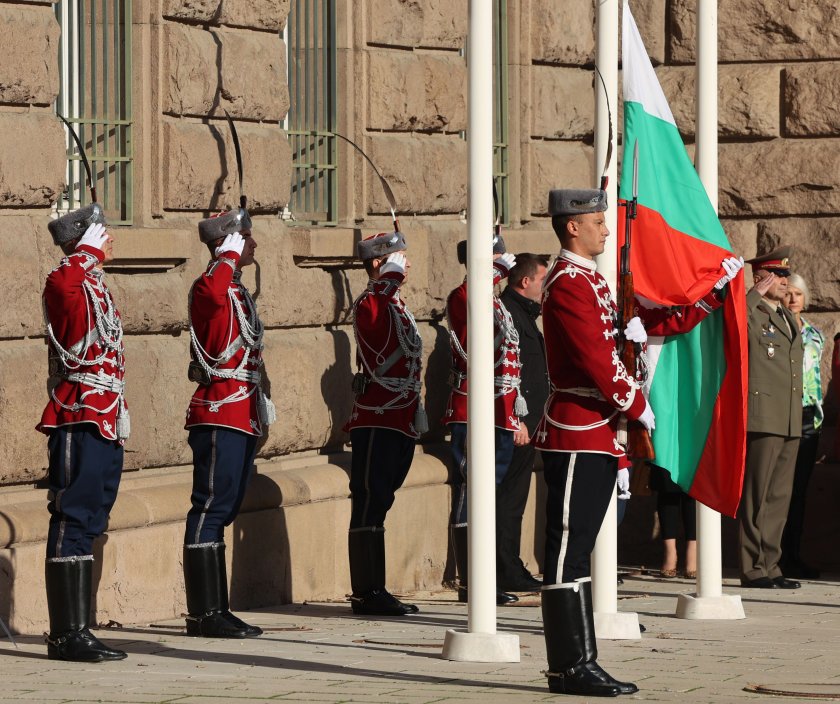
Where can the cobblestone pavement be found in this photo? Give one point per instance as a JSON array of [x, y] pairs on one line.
[[320, 652]]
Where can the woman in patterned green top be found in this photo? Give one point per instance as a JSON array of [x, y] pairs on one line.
[[812, 417]]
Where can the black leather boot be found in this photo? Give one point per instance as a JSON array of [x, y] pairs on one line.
[[208, 608], [591, 644], [68, 601], [367, 576], [569, 645], [459, 547]]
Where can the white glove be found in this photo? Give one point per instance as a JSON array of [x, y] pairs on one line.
[[635, 331], [622, 481], [731, 265], [234, 242], [395, 262], [647, 418], [95, 236], [507, 261]]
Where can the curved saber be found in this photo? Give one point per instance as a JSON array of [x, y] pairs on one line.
[[82, 155], [389, 194], [604, 177], [243, 199], [496, 210]]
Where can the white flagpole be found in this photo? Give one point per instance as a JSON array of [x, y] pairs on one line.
[[609, 623], [709, 602], [480, 642]]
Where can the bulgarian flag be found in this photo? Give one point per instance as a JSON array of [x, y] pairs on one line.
[[698, 380]]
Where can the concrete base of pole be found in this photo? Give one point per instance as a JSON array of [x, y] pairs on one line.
[[622, 625], [463, 646], [721, 608]]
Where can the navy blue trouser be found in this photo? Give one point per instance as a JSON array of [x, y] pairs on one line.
[[580, 487], [222, 462], [84, 476], [458, 447], [380, 464]]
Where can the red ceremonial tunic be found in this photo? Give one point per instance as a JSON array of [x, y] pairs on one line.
[[590, 386], [507, 365], [388, 351], [84, 336], [226, 335]]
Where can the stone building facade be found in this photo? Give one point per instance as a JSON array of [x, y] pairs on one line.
[[401, 93]]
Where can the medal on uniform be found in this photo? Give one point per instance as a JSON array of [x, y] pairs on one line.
[[771, 352]]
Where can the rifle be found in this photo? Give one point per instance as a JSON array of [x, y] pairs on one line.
[[639, 445]]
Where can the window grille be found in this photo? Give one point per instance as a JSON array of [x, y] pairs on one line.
[[95, 97], [311, 44]]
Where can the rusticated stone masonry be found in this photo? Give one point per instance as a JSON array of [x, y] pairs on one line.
[[402, 96]]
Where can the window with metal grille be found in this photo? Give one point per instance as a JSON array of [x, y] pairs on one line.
[[500, 103], [95, 97], [311, 43]]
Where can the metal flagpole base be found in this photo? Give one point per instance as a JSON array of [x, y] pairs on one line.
[[622, 625], [724, 607], [463, 646]]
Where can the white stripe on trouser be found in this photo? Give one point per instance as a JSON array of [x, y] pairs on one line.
[[567, 495], [212, 495]]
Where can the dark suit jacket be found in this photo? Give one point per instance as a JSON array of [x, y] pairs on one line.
[[775, 370], [534, 374]]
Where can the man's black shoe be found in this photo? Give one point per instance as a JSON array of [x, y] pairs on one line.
[[523, 583], [249, 630], [583, 681], [759, 583], [502, 598], [380, 602], [783, 582]]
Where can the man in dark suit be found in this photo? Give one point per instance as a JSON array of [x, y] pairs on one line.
[[774, 422], [522, 299]]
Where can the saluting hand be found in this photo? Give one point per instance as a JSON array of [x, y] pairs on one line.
[[95, 236], [507, 261], [234, 242], [395, 262], [765, 283]]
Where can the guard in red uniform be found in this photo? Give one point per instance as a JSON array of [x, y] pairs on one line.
[[387, 417], [510, 404], [87, 422], [225, 418], [590, 391]]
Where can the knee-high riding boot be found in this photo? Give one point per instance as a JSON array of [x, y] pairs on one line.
[[569, 644], [68, 602], [208, 608]]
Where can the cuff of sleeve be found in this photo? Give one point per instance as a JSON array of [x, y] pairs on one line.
[[636, 407], [93, 251]]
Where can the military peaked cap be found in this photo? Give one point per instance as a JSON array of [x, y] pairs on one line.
[[576, 201], [777, 261], [73, 225]]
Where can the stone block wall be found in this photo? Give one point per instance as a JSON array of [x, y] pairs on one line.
[[402, 96]]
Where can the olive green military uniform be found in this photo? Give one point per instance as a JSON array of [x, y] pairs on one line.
[[774, 425]]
